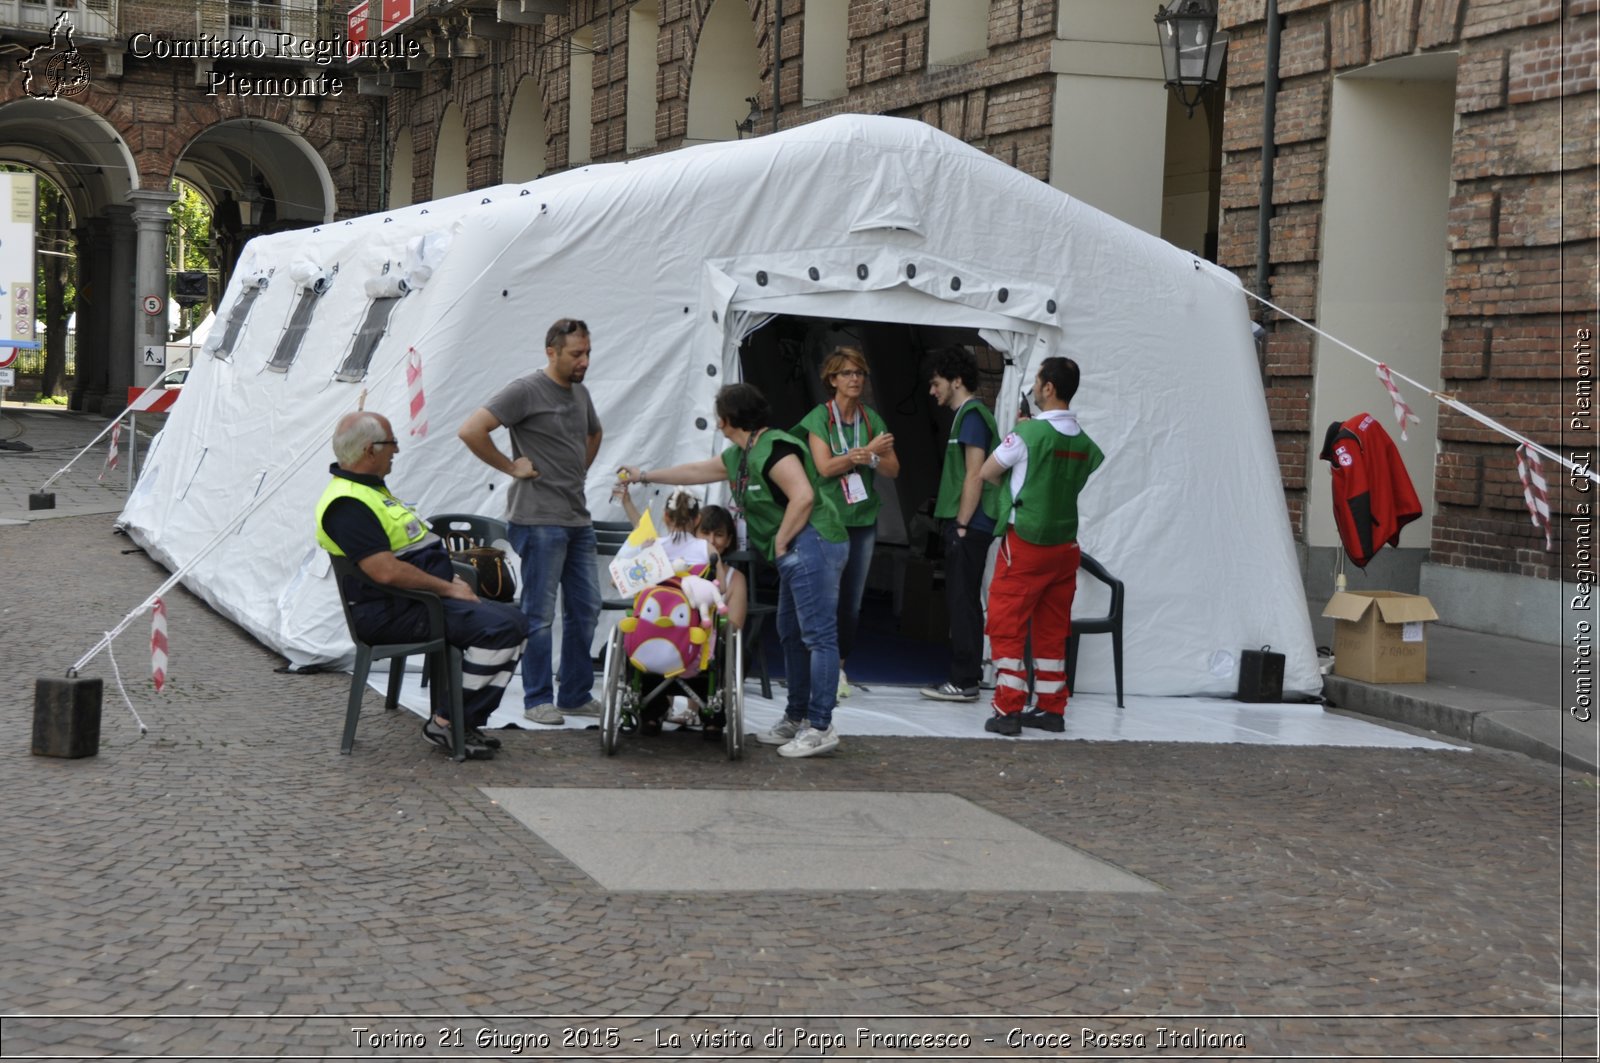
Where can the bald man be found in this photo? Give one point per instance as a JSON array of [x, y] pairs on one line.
[[359, 518]]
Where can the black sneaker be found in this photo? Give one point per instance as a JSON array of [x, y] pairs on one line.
[[439, 735], [476, 734], [1003, 724], [948, 691], [1044, 721]]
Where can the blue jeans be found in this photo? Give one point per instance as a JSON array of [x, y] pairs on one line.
[[556, 557], [853, 585], [808, 621]]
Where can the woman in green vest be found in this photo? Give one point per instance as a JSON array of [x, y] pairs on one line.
[[850, 446], [780, 512]]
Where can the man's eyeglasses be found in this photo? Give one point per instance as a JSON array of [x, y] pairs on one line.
[[395, 443]]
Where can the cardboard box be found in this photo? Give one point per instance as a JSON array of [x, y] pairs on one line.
[[1379, 636]]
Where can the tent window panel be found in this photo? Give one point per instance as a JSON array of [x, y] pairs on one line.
[[236, 319], [367, 337], [294, 333]]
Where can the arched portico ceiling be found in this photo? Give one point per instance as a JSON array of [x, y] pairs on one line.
[[74, 147], [244, 154]]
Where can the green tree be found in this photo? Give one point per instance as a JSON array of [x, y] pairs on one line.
[[189, 245]]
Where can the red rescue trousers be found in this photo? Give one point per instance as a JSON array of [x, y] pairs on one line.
[[1032, 585]]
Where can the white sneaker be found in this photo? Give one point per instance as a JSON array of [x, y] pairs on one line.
[[844, 686], [546, 714], [809, 742], [588, 708], [781, 733]]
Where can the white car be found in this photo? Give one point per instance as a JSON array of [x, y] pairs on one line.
[[172, 379]]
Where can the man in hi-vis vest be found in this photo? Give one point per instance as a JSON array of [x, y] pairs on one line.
[[359, 518], [1042, 465]]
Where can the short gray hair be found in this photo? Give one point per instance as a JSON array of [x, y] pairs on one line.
[[354, 434]]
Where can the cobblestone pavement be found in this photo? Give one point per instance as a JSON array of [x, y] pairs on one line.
[[231, 866]]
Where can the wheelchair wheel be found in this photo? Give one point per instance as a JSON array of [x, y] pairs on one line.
[[612, 693], [733, 698]]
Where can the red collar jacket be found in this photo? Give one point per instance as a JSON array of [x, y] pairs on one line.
[[1372, 495]]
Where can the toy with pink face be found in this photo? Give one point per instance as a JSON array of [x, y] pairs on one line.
[[665, 635]]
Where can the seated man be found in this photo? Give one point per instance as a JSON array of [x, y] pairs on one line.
[[358, 518]]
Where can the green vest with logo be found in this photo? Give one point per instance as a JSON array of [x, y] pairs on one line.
[[762, 513], [954, 472], [1045, 511], [819, 422], [403, 527]]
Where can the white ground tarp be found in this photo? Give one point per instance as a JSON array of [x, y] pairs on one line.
[[671, 259]]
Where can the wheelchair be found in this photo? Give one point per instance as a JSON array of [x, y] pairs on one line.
[[630, 685]]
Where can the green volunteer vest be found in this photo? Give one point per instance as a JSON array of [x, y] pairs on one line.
[[403, 527], [1045, 511], [762, 514], [863, 514], [955, 467]]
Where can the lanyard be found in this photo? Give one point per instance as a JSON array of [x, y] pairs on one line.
[[741, 480], [859, 427]]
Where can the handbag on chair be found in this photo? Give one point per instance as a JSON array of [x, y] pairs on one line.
[[495, 579]]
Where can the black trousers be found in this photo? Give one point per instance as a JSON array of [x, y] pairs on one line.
[[964, 558], [491, 636]]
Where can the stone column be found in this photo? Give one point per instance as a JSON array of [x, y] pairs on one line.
[[149, 330], [93, 314], [119, 308]]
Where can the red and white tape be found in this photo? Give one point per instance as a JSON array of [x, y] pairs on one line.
[[1402, 411], [1535, 491], [111, 455], [158, 644], [419, 401]]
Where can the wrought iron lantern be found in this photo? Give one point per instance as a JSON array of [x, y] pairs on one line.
[[1191, 48]]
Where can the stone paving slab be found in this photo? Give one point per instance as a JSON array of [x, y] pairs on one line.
[[230, 864]]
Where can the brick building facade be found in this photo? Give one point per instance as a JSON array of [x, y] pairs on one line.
[[1518, 249]]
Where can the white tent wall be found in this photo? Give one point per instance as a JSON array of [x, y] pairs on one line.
[[663, 257]]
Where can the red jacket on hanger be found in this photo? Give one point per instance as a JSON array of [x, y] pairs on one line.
[[1372, 494]]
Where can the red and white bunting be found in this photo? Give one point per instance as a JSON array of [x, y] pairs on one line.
[[1535, 491], [419, 402], [158, 644], [1402, 411], [111, 456]]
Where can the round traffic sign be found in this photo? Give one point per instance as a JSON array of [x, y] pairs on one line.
[[7, 356], [153, 305]]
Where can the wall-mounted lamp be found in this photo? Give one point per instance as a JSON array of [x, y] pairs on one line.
[[1191, 48], [748, 126]]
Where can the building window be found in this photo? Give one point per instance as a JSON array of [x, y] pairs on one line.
[[958, 32], [644, 31], [827, 39]]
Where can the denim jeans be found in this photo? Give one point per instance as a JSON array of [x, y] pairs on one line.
[[853, 585], [808, 607], [555, 557]]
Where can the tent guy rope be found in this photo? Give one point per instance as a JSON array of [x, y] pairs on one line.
[[1447, 400]]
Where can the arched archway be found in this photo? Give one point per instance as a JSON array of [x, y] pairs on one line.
[[727, 69], [450, 154], [525, 155]]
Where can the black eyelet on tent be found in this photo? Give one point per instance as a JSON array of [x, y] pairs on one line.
[[1003, 295], [386, 221], [911, 269], [861, 271], [424, 210], [955, 284], [761, 277], [349, 223], [1050, 306], [700, 423], [813, 274], [686, 310], [317, 229], [484, 200], [524, 192], [711, 370], [505, 292], [714, 317]]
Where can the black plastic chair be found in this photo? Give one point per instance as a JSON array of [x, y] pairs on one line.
[[443, 659], [756, 612], [461, 531], [609, 538], [1110, 624]]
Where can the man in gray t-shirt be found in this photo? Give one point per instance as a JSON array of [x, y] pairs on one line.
[[555, 435]]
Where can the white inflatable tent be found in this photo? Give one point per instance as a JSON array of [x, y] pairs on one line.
[[672, 260]]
